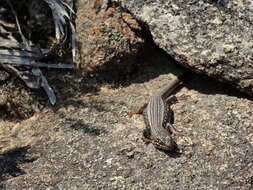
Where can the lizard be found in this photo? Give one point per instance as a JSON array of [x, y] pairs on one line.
[[158, 115]]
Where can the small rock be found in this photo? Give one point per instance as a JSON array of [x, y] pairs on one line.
[[106, 37]]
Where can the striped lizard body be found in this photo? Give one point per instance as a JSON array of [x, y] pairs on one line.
[[158, 118]]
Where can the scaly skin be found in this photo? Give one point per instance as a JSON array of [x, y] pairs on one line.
[[158, 118]]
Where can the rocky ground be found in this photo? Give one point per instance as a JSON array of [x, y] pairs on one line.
[[88, 140]]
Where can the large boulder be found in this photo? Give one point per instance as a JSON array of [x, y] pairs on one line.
[[209, 36]]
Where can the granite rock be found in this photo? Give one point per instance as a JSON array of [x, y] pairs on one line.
[[209, 36], [105, 35]]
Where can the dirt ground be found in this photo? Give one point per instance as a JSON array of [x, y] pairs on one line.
[[89, 142]]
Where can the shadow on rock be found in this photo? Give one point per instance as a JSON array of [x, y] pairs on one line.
[[207, 85], [155, 62], [85, 128], [175, 154], [10, 161]]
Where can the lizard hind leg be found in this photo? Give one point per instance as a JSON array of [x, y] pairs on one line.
[[140, 111], [171, 100]]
